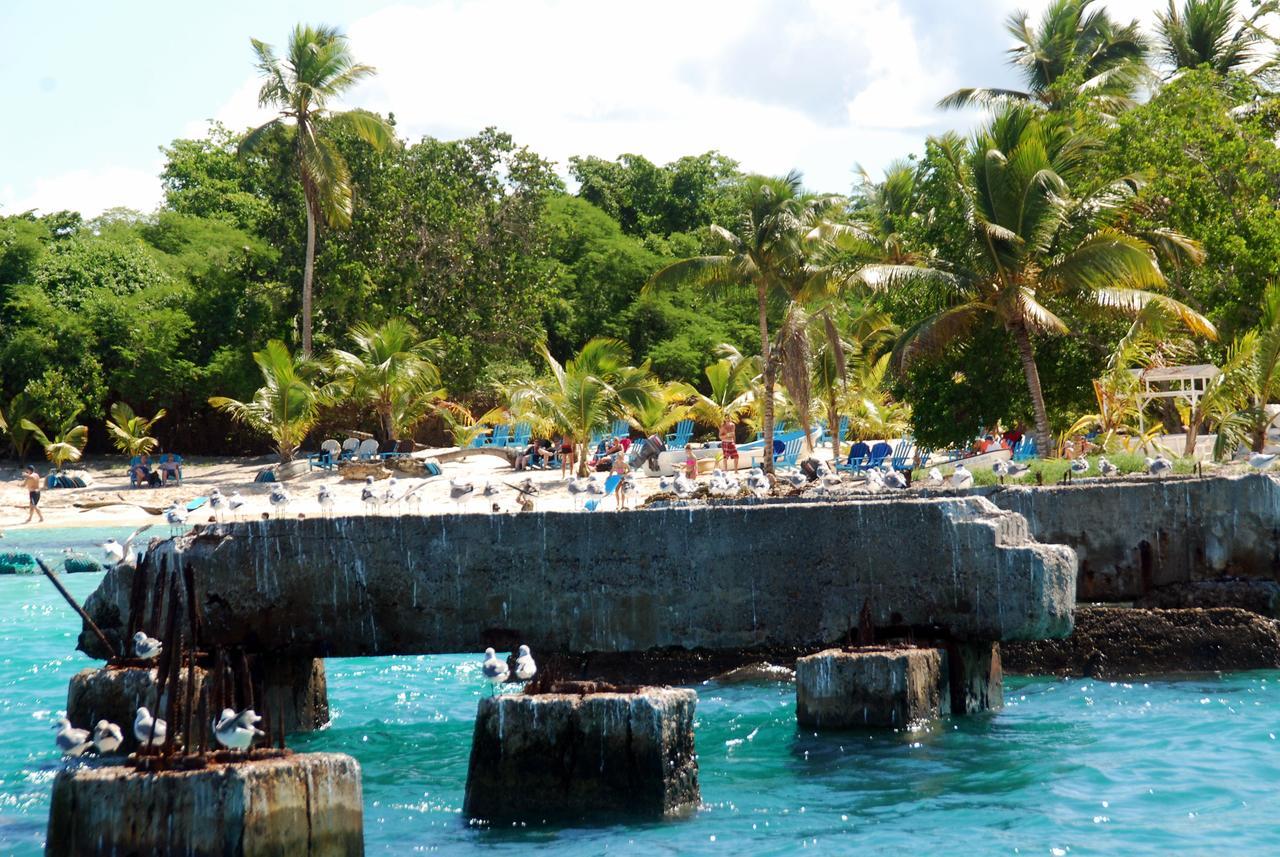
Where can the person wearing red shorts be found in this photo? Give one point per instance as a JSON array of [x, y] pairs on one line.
[[728, 442]]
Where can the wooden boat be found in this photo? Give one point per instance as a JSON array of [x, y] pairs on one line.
[[981, 461]]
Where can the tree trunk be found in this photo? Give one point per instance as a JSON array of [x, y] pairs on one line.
[[766, 357], [308, 272], [1023, 340], [1193, 433], [582, 459], [833, 424]]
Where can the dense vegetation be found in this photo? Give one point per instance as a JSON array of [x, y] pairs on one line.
[[1126, 196]]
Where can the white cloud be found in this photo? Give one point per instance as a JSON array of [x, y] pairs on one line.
[[89, 191]]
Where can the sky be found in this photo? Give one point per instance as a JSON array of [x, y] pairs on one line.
[[92, 91]]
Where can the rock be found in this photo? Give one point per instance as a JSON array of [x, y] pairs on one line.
[[300, 804], [722, 577], [1120, 642], [115, 694], [357, 471], [592, 755], [1259, 596], [872, 686]]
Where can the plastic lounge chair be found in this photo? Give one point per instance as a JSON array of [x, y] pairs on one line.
[[681, 436], [520, 437], [857, 457], [349, 448], [878, 454], [499, 436], [368, 450], [621, 428], [133, 473], [170, 463], [902, 453], [324, 459], [791, 451], [1025, 450]]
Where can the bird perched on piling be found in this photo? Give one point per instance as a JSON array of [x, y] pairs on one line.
[[279, 499], [237, 731], [757, 482], [70, 740], [460, 490], [961, 477], [143, 726], [526, 667], [120, 554], [1159, 466], [1106, 468], [325, 498], [107, 737], [1079, 466], [892, 478], [368, 496], [1261, 461], [494, 669], [236, 503], [147, 648]]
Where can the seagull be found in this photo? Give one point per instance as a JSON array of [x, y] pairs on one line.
[[525, 665], [325, 498], [961, 477], [71, 741], [578, 487], [684, 486], [758, 482], [118, 553], [665, 485], [1079, 466], [143, 725], [107, 737], [796, 479], [237, 731], [1015, 469], [279, 498], [147, 648], [892, 478], [368, 496], [629, 488], [459, 491], [1159, 466], [217, 502], [595, 486], [494, 669], [935, 476], [235, 503], [1000, 468], [1106, 468], [388, 496], [875, 480], [176, 516], [491, 490], [1261, 461]]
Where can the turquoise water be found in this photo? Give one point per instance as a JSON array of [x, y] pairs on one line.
[[1068, 767]]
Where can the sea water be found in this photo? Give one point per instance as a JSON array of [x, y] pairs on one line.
[[1071, 767]]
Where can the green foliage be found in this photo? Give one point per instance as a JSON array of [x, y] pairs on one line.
[[65, 445], [287, 404], [129, 432], [392, 371]]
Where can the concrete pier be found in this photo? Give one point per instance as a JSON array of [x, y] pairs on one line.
[[876, 686], [300, 804], [570, 755], [975, 674]]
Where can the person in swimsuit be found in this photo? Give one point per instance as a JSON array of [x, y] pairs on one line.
[[31, 481], [728, 445], [690, 462]]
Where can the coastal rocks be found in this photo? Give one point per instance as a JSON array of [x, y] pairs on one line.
[[1258, 596], [583, 754], [872, 686], [299, 804], [1119, 642], [357, 471], [115, 694]]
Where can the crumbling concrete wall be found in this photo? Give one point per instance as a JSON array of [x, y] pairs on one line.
[[721, 577]]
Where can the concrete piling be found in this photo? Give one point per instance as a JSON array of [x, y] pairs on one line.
[[875, 686]]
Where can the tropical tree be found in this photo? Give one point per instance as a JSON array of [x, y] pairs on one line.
[[1032, 243], [20, 411], [849, 359], [1077, 53], [67, 443], [1249, 421], [585, 394], [317, 69], [129, 431], [392, 370], [656, 415], [1211, 33], [772, 250], [287, 404], [464, 427], [730, 382]]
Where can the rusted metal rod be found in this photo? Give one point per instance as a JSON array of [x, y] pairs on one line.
[[48, 572]]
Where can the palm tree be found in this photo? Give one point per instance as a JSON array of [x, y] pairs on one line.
[[667, 407], [66, 445], [850, 352], [585, 394], [319, 68], [731, 386], [464, 427], [771, 250], [1076, 53], [129, 431], [287, 404], [391, 370], [1210, 33], [1249, 422], [1034, 244], [21, 409]]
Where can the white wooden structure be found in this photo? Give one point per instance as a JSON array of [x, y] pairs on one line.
[[1173, 382]]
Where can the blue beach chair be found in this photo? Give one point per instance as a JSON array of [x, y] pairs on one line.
[[878, 454], [857, 457], [902, 455], [499, 436], [520, 437], [681, 436]]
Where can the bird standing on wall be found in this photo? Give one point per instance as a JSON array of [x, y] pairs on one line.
[[494, 669], [70, 740], [526, 667], [147, 648], [1106, 468], [961, 478], [237, 731], [325, 498], [368, 496], [118, 553], [107, 737], [1261, 461], [1159, 466], [144, 725], [217, 502], [279, 499], [460, 491], [236, 503], [176, 515]]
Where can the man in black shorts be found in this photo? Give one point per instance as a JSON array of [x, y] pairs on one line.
[[31, 481]]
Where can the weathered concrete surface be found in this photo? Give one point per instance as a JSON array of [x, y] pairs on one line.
[[1134, 535], [116, 694], [875, 686], [976, 676], [1119, 642], [1259, 596], [302, 804], [718, 577], [564, 755], [295, 689]]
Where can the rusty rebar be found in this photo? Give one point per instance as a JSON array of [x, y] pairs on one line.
[[48, 572]]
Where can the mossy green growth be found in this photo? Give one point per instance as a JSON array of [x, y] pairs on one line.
[[1052, 470]]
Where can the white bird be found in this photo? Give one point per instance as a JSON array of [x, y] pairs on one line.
[[758, 482], [491, 490], [217, 502], [70, 740], [961, 477], [279, 498], [1106, 468], [935, 476], [147, 648], [577, 488], [832, 480], [237, 731], [325, 498], [629, 488], [795, 479], [684, 486], [1261, 461], [389, 497], [874, 480], [595, 486], [892, 478], [143, 725], [1000, 468], [107, 737], [526, 667], [459, 491], [1079, 466], [494, 669], [176, 515], [236, 503], [1159, 466], [119, 553], [368, 496], [665, 484]]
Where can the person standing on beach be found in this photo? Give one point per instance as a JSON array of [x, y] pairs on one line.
[[31, 481], [728, 442]]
